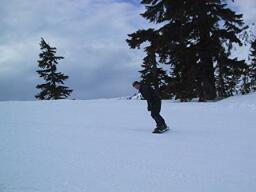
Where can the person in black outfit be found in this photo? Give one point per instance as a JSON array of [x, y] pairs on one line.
[[154, 104]]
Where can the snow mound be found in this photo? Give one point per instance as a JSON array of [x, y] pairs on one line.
[[250, 98], [242, 101]]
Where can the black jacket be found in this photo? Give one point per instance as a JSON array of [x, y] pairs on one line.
[[148, 93]]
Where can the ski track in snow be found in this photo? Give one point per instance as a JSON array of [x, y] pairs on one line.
[[107, 145]]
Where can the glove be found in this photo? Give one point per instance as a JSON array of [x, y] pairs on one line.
[[149, 108]]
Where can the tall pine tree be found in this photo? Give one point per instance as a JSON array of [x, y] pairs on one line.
[[53, 88], [171, 42], [216, 28], [193, 36]]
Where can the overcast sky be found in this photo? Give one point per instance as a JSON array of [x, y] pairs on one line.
[[90, 34]]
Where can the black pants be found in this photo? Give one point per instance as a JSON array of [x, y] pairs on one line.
[[155, 113]]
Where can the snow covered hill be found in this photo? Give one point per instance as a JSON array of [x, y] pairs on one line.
[[107, 146]]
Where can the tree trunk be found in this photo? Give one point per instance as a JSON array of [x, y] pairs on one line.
[[207, 79]]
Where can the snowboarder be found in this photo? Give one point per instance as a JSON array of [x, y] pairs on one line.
[[154, 105]]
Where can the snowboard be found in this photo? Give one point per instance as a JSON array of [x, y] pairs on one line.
[[157, 131]]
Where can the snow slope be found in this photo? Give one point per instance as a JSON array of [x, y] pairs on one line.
[[107, 146]]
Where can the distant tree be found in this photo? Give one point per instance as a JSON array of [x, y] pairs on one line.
[[230, 75], [252, 67], [246, 84], [53, 88]]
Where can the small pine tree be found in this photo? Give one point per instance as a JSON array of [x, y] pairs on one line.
[[230, 75], [53, 88], [252, 67]]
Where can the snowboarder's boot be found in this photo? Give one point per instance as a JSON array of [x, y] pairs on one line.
[[155, 130], [161, 129]]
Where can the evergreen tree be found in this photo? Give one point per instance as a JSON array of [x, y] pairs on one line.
[[246, 85], [169, 47], [252, 68], [53, 87], [192, 37], [216, 27], [229, 74]]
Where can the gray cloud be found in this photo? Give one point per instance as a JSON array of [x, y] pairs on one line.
[[89, 34]]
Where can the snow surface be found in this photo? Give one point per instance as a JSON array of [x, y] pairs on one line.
[[107, 146]]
